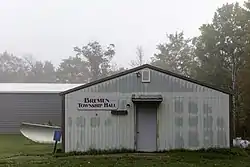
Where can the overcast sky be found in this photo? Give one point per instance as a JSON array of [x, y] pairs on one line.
[[49, 29]]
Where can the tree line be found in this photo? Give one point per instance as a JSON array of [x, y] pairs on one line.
[[90, 63], [218, 56]]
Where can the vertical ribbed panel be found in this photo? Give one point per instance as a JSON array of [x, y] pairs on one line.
[[208, 127], [112, 132], [24, 107], [190, 116]]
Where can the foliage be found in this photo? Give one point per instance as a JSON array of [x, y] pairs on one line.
[[139, 57], [223, 151], [115, 69], [97, 58], [221, 50], [37, 71], [15, 69], [73, 70], [176, 55], [12, 69], [90, 63], [96, 152], [244, 84]]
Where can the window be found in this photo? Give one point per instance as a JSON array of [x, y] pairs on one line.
[[146, 76]]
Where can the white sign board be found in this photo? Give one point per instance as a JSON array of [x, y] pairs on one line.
[[98, 103]]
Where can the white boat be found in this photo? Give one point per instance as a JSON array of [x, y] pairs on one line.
[[39, 133]]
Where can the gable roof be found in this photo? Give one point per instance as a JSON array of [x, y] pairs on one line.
[[140, 68]]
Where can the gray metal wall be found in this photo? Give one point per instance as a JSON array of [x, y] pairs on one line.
[[190, 116], [34, 108]]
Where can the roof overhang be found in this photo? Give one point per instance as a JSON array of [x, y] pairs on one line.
[[147, 98]]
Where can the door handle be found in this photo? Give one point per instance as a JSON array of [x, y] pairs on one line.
[[137, 132]]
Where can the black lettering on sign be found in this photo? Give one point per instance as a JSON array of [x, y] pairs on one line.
[[105, 105], [98, 100], [80, 105], [89, 103], [109, 105], [95, 105]]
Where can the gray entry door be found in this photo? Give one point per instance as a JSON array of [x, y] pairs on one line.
[[146, 116]]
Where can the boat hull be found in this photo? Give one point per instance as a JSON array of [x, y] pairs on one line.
[[39, 133]]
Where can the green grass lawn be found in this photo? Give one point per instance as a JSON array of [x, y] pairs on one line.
[[15, 150]]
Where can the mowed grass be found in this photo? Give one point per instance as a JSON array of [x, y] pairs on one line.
[[15, 150]]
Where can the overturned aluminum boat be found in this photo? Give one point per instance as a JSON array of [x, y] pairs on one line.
[[39, 133]]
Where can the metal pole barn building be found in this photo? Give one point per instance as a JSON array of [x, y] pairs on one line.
[[145, 109], [34, 103]]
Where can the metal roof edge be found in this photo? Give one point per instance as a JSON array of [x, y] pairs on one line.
[[139, 68], [31, 92], [8, 88]]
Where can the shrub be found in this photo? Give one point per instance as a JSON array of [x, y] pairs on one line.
[[210, 152]]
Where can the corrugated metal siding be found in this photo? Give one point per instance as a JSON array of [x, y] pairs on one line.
[[188, 110], [130, 83], [193, 121], [34, 108], [111, 132]]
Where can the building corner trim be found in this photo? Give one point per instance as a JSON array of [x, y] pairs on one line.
[[63, 123], [231, 120]]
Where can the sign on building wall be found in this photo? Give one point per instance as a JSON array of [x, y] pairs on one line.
[[98, 103]]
